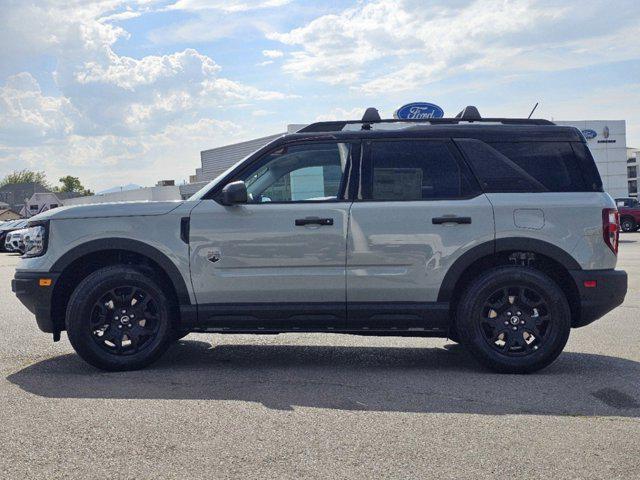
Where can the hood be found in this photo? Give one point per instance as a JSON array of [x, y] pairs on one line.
[[102, 210]]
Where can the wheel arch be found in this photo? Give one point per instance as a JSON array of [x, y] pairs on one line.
[[546, 257], [83, 259]]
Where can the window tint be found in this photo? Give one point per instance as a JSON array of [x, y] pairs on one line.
[[416, 170], [553, 164], [495, 171], [309, 172]]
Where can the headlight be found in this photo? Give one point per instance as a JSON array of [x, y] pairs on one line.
[[35, 240]]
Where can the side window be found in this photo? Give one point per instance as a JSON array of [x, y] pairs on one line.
[[553, 164], [295, 173], [416, 170]]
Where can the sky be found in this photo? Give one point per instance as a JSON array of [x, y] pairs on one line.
[[118, 92]]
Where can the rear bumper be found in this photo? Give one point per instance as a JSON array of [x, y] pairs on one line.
[[595, 302], [37, 299]]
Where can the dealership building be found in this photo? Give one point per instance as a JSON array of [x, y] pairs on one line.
[[606, 140]]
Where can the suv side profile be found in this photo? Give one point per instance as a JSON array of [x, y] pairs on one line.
[[495, 233]]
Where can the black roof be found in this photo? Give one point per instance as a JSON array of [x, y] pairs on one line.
[[480, 131], [467, 124]]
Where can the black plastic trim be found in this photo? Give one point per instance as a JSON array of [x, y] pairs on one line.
[[538, 246], [272, 316], [133, 246], [407, 318], [36, 298], [610, 290], [447, 288], [541, 247], [185, 224]]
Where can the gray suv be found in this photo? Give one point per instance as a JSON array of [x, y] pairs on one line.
[[495, 233]]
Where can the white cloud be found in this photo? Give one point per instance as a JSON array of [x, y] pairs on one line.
[[29, 117], [341, 114], [273, 53], [226, 5], [395, 45], [144, 159], [105, 108]]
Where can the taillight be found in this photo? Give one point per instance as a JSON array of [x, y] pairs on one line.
[[610, 228]]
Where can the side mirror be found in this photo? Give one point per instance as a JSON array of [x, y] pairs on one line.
[[234, 193]]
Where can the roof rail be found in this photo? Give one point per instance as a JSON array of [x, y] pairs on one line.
[[469, 114]]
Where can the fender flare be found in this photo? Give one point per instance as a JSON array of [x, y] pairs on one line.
[[130, 245], [502, 245]]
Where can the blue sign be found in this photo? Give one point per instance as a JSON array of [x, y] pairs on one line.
[[419, 111], [589, 134]]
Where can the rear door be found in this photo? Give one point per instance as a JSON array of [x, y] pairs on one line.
[[419, 209]]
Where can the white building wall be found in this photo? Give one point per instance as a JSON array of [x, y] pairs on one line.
[[609, 153], [171, 192], [217, 160]]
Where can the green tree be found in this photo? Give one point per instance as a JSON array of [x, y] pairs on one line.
[[25, 176], [72, 184]]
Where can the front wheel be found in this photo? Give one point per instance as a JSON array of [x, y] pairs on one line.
[[119, 319], [514, 319]]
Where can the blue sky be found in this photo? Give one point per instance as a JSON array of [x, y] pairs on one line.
[[118, 92]]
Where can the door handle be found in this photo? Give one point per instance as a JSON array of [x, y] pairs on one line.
[[301, 222], [452, 219]]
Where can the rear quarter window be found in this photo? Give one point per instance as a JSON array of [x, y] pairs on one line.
[[554, 164]]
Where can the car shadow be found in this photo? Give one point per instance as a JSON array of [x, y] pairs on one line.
[[444, 380]]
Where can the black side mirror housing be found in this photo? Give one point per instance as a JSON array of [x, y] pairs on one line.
[[234, 193]]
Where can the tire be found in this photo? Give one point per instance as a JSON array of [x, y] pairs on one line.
[[119, 319], [628, 225], [514, 319]]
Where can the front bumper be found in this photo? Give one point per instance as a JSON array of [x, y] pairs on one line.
[[26, 286], [609, 292]]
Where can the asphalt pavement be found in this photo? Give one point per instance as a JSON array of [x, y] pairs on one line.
[[321, 406]]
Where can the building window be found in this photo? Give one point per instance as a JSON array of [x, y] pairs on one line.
[[633, 187], [33, 208], [632, 171], [53, 205]]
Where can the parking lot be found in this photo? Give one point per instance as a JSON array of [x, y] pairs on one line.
[[321, 406]]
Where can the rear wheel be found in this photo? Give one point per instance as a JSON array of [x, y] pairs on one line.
[[119, 319], [514, 319], [628, 225]]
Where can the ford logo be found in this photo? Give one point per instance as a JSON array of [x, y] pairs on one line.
[[589, 134], [419, 111]]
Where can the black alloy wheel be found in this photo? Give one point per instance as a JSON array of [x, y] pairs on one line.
[[125, 319], [118, 318], [514, 319]]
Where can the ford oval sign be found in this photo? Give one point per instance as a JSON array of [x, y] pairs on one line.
[[589, 134], [419, 111]]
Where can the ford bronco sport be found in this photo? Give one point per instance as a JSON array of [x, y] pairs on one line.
[[495, 233]]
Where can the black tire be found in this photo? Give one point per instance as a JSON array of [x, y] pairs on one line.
[[521, 341], [628, 225], [95, 326]]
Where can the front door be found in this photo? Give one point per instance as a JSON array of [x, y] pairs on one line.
[[278, 261], [420, 210]]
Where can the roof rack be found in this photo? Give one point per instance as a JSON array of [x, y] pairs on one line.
[[371, 116]]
